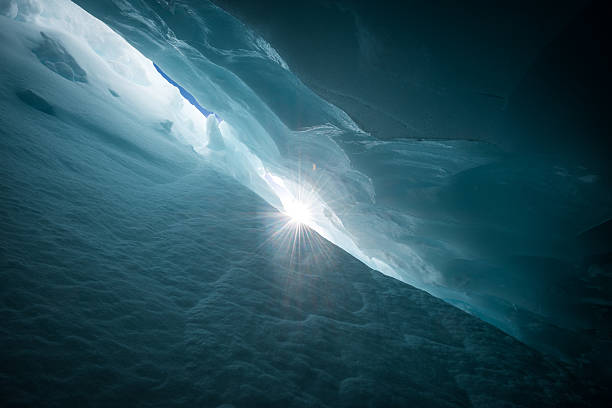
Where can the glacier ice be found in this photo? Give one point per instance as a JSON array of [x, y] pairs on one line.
[[54, 56], [36, 101], [449, 217], [128, 233]]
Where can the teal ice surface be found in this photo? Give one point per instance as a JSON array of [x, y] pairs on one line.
[[139, 260]]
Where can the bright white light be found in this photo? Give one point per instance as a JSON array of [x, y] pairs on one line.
[[299, 213]]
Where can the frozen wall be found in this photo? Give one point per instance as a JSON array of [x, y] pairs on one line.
[[493, 233]]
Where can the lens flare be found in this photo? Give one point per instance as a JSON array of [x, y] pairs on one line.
[[298, 212]]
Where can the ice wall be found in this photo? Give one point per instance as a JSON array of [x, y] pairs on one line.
[[491, 233]]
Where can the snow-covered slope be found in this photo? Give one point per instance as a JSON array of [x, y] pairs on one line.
[[136, 230], [134, 274], [492, 232]]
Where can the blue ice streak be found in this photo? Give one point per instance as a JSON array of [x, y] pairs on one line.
[[186, 94]]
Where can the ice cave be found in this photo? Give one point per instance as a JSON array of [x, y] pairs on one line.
[[326, 203]]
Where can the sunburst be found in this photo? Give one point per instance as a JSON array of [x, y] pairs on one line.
[[294, 226], [298, 212]]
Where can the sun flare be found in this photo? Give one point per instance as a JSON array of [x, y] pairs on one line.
[[298, 212]]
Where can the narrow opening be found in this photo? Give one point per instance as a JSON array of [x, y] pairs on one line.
[[185, 93]]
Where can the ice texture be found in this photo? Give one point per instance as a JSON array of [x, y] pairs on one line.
[[53, 55], [492, 233], [136, 274]]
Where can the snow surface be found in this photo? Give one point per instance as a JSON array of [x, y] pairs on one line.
[[493, 233], [136, 232], [135, 274]]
